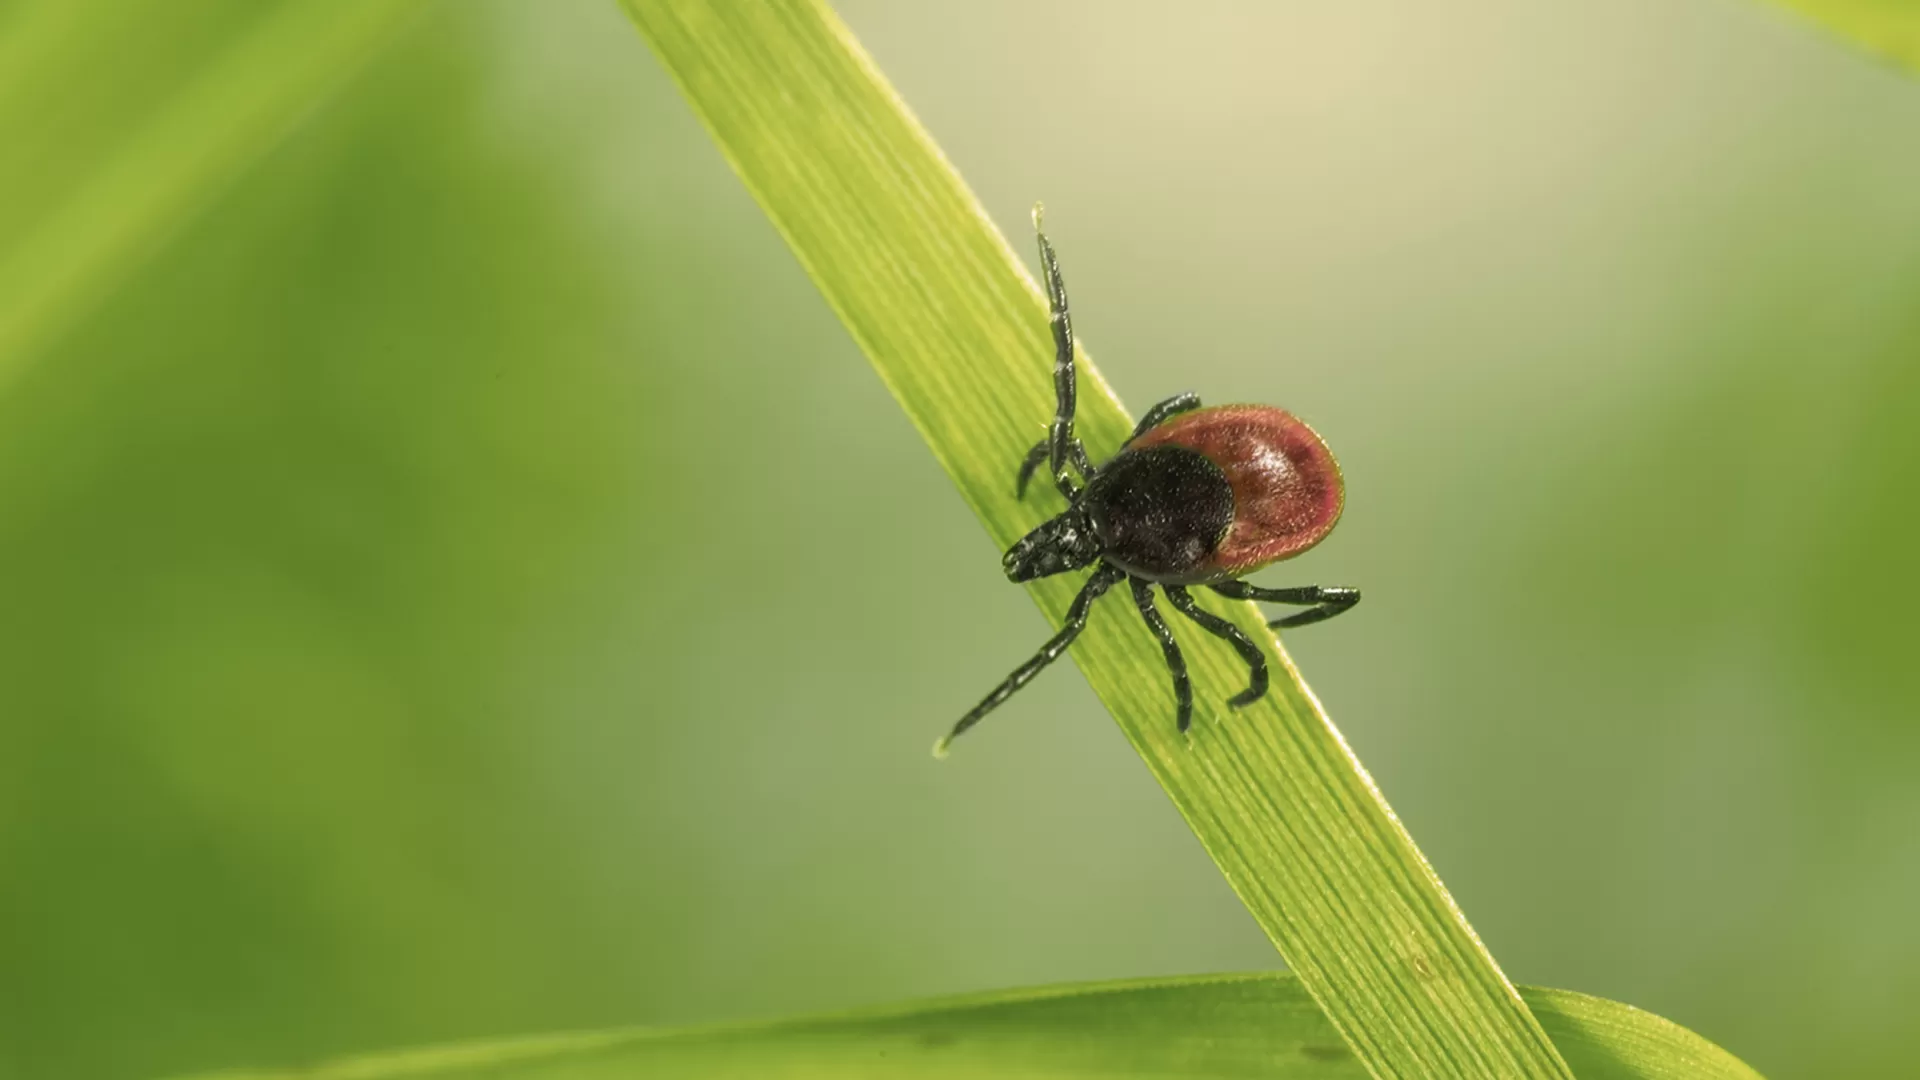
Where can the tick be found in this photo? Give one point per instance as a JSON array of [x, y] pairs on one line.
[[1195, 497]]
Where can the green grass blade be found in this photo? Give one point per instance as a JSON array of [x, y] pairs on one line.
[[1888, 27], [1239, 1026], [120, 119], [955, 326]]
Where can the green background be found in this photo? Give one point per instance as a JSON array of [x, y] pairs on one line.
[[467, 583]]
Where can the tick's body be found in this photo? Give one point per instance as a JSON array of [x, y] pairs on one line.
[[1195, 497], [1215, 493]]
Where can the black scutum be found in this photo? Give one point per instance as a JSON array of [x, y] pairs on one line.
[[1160, 512]]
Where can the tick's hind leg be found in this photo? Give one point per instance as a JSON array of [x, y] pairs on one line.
[[1183, 602], [1176, 663], [1102, 580], [1327, 600]]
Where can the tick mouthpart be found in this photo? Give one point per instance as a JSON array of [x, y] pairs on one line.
[[1061, 544], [1014, 563]]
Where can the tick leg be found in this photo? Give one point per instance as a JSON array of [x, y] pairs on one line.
[[1183, 602], [1063, 450], [1158, 415], [1155, 416], [1033, 459], [1038, 454], [1176, 663], [1102, 580], [1327, 600]]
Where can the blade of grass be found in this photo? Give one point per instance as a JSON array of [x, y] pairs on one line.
[[1888, 27], [1238, 1026], [121, 119], [955, 326]]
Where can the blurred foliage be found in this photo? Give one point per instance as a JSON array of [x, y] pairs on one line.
[[280, 528], [1889, 27], [99, 170], [456, 588], [1230, 1027]]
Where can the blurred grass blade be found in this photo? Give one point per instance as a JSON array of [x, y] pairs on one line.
[[119, 120], [1888, 27], [956, 328], [1239, 1026]]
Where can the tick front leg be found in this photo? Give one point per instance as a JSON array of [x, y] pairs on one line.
[[1103, 579], [1063, 450], [1038, 454], [1327, 600], [1155, 416], [1176, 663]]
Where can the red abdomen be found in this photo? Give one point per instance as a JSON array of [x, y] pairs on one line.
[[1287, 491]]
